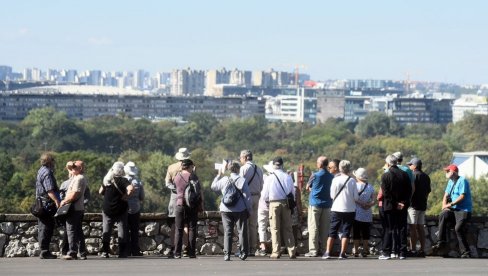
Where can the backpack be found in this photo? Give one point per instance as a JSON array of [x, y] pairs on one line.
[[192, 196], [231, 194]]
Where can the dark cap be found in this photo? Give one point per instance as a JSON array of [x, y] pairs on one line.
[[186, 163], [278, 161], [415, 161]]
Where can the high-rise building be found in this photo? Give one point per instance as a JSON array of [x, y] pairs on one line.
[[139, 77], [5, 72], [187, 82]]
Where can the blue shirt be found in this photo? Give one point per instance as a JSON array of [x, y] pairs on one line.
[[320, 189], [46, 182], [408, 171], [460, 187]]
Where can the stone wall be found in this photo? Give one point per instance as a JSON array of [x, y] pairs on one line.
[[18, 235]]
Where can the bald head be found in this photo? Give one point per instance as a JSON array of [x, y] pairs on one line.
[[322, 162]]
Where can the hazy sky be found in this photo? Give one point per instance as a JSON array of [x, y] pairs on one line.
[[381, 39]]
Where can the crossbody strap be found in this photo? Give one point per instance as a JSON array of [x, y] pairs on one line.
[[362, 191], [254, 174], [453, 185], [342, 188], [280, 184], [117, 187]]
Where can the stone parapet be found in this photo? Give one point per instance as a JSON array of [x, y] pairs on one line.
[[18, 235]]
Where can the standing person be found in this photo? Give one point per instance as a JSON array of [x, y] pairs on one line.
[[173, 169], [456, 209], [276, 188], [254, 179], [333, 167], [263, 214], [47, 190], [86, 197], [115, 190], [134, 211], [344, 193], [63, 189], [397, 191], [74, 218], [416, 211], [364, 215], [183, 213], [319, 208], [237, 214]]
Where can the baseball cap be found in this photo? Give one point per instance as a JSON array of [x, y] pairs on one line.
[[451, 167]]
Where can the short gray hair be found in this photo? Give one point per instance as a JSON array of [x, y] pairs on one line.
[[345, 166], [247, 154], [234, 166], [391, 160]]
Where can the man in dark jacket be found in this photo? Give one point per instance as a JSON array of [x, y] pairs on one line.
[[416, 212], [397, 190]]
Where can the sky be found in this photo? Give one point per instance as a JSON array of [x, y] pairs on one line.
[[423, 40]]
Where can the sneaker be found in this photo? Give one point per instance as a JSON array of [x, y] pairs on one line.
[[402, 257], [261, 252], [177, 256], [105, 255], [243, 256], [393, 256], [47, 255], [364, 254], [343, 256], [69, 257], [384, 257], [83, 257], [311, 254], [326, 256], [294, 256], [466, 255], [274, 256], [438, 245], [226, 257], [192, 256]]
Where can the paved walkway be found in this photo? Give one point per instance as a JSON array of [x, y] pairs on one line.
[[214, 265]]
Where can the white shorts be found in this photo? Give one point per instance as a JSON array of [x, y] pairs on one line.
[[415, 216]]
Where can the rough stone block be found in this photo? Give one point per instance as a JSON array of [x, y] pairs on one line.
[[152, 229], [147, 244], [483, 239], [211, 249], [15, 249], [7, 228]]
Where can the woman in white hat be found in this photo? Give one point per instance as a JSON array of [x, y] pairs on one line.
[[364, 214]]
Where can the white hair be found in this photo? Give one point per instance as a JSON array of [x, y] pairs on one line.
[[345, 166]]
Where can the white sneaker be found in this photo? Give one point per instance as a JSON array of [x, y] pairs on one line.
[[325, 256], [393, 256], [384, 257]]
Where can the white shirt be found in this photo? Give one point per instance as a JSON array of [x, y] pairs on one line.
[[272, 189], [346, 200]]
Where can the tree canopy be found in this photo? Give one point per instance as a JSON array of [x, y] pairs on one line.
[[151, 145]]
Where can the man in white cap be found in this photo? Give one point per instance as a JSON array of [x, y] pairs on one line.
[[134, 212], [173, 169]]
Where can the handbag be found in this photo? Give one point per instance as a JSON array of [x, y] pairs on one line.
[[290, 199], [37, 208], [63, 210]]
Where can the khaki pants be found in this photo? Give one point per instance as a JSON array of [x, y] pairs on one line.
[[280, 222], [318, 228]]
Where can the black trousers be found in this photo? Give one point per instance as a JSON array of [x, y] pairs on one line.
[[74, 230], [134, 220], [185, 215], [459, 219], [395, 233], [45, 232]]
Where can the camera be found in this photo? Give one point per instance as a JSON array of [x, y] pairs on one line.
[[448, 199]]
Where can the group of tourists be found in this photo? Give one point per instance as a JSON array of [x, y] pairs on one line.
[[340, 204]]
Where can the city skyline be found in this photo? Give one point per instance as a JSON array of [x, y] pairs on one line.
[[439, 41]]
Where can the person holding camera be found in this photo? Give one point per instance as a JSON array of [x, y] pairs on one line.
[[456, 208]]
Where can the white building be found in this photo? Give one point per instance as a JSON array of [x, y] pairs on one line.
[[471, 164], [295, 105], [469, 104]]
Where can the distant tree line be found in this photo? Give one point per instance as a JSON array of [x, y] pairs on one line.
[[152, 145]]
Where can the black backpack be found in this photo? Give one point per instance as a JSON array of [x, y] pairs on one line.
[[191, 195], [231, 194]]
